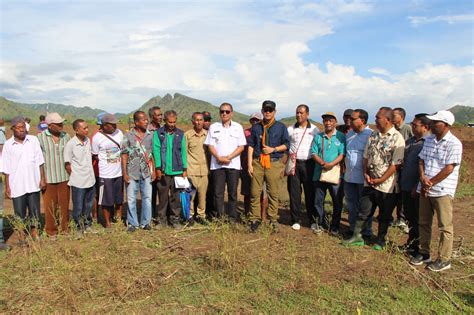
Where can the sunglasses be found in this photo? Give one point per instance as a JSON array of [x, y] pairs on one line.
[[268, 110], [225, 112], [207, 118]]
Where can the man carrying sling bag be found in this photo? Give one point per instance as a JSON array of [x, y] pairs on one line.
[[327, 151]]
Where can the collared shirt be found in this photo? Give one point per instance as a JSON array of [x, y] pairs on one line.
[[276, 136], [22, 161], [410, 173], [169, 153], [382, 151], [436, 156], [53, 153], [79, 154], [196, 152], [108, 153], [354, 161], [333, 147], [152, 128], [406, 131], [225, 140], [139, 151], [296, 134]]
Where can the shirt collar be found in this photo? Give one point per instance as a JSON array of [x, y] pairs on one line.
[[48, 133], [27, 138], [203, 133]]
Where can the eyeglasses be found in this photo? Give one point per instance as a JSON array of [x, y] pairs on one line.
[[268, 110], [207, 118], [225, 112], [353, 119], [415, 125]]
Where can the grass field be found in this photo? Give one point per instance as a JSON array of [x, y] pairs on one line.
[[222, 269]]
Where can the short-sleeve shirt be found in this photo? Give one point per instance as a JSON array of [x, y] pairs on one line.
[[436, 156], [406, 131], [53, 153], [276, 135], [196, 153], [108, 153], [381, 152], [410, 174], [225, 140], [333, 147], [140, 152], [22, 161], [79, 155], [354, 160], [296, 135]]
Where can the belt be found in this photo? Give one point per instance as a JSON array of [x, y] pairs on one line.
[[303, 161], [271, 159]]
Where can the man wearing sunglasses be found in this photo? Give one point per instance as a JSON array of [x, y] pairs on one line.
[[226, 141], [267, 143]]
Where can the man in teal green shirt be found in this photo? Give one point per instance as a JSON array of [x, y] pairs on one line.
[[327, 151], [169, 150]]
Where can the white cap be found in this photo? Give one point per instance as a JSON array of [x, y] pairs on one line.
[[442, 115]]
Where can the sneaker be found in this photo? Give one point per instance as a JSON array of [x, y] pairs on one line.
[[334, 231], [439, 265], [146, 227], [420, 259], [316, 228], [131, 229], [254, 226], [296, 226]]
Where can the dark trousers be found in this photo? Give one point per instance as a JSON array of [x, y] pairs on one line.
[[32, 202], [303, 177], [168, 195], [210, 210], [372, 198], [221, 178], [154, 193], [320, 194], [82, 200], [411, 206]]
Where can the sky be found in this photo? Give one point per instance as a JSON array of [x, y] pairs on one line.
[[328, 54]]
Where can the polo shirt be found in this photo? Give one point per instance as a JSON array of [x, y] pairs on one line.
[[53, 153], [410, 173], [303, 146], [277, 135], [225, 140], [196, 152], [436, 156], [108, 153], [140, 152], [22, 161], [169, 154], [79, 155], [382, 151], [354, 160], [333, 147]]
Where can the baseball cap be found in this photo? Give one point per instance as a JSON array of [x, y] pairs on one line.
[[329, 114], [256, 115], [109, 119], [54, 118], [268, 104], [99, 118], [442, 115], [17, 120], [348, 112]]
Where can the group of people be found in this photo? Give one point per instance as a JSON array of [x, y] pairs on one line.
[[413, 168]]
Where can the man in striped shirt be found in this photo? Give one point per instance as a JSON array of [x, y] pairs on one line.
[[440, 160], [56, 195]]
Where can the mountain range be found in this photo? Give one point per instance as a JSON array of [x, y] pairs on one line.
[[182, 104]]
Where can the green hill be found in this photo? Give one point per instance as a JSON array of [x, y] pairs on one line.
[[185, 106], [463, 114]]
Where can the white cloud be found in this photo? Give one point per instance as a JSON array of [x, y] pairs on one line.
[[450, 19]]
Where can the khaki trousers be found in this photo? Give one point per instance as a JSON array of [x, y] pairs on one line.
[[443, 207], [200, 183], [272, 177], [56, 196]]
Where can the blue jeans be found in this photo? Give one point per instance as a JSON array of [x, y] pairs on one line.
[[353, 194], [320, 195], [82, 200], [144, 184]]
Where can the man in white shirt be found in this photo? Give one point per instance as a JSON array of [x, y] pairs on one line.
[[226, 141], [106, 147], [301, 136], [24, 175]]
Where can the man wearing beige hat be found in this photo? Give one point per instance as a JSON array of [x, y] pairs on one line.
[[56, 195], [440, 160], [327, 151]]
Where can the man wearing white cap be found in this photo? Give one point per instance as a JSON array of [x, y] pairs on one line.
[[440, 160], [56, 195]]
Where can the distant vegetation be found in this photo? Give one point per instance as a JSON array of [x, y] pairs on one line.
[[463, 114]]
